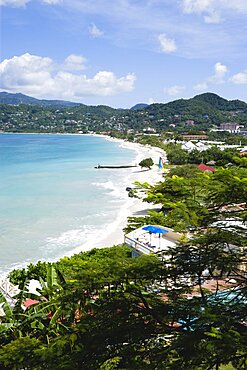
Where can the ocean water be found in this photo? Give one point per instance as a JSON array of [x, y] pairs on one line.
[[52, 200]]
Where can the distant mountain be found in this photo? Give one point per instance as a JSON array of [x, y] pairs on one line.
[[139, 106], [220, 103], [16, 99], [207, 104], [26, 114]]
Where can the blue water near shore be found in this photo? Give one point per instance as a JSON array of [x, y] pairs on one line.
[[52, 200]]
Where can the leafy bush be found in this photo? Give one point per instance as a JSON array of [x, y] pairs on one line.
[[147, 163]]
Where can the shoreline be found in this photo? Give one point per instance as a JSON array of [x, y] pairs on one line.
[[133, 206], [113, 233]]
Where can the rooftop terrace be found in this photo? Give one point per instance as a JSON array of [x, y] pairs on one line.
[[145, 242]]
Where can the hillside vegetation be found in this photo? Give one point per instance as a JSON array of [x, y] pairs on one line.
[[205, 110]]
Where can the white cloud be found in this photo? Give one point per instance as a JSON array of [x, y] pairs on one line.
[[220, 71], [239, 78], [196, 6], [41, 77], [94, 31], [24, 70], [166, 45], [74, 63], [174, 90], [14, 3], [205, 7], [212, 9]]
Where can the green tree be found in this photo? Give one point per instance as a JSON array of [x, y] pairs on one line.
[[176, 155], [147, 163]]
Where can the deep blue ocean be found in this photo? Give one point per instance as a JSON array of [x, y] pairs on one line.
[[52, 199]]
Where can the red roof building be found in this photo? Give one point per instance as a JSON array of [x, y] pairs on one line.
[[204, 168]]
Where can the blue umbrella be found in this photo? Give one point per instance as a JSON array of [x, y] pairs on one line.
[[154, 229]]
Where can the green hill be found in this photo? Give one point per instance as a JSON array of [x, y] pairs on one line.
[[139, 106], [16, 99], [206, 109], [200, 104], [219, 102]]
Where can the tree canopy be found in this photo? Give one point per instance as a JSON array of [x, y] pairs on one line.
[[147, 163], [184, 308]]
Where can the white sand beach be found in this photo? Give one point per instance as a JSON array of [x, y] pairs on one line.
[[114, 235]]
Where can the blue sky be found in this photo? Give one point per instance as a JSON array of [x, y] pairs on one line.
[[123, 52]]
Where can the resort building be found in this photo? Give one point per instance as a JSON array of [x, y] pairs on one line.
[[195, 137], [200, 146], [230, 127]]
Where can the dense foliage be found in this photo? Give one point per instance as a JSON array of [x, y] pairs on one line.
[[103, 309], [190, 199]]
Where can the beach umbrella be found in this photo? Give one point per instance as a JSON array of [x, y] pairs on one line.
[[154, 230]]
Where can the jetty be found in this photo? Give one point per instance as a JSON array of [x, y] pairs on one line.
[[114, 167]]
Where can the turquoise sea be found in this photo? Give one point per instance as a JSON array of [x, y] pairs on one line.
[[52, 200]]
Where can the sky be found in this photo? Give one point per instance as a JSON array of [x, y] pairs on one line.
[[123, 52]]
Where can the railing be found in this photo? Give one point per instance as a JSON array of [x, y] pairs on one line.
[[140, 247]]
